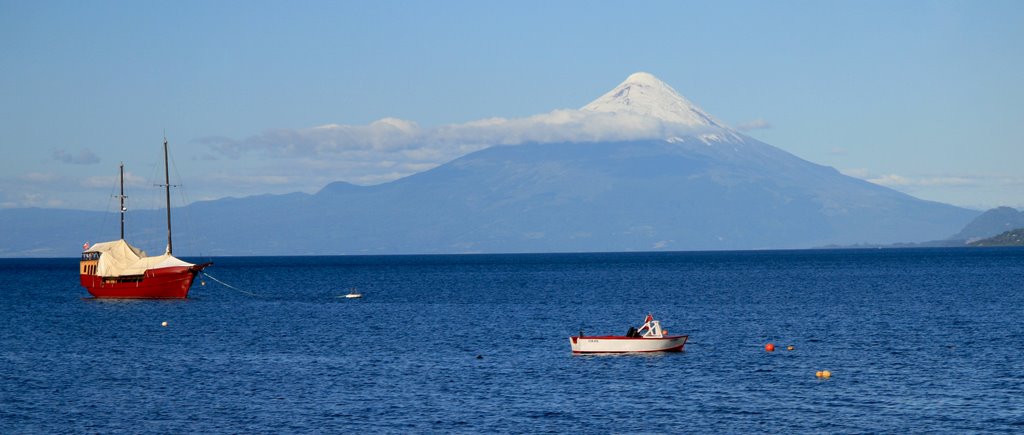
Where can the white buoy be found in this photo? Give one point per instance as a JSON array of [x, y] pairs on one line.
[[164, 324]]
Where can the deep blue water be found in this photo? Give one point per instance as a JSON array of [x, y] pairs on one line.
[[916, 340]]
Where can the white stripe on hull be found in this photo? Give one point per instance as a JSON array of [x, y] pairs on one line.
[[624, 344]]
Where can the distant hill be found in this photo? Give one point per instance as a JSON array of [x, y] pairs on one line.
[[991, 223], [712, 189], [1009, 238], [986, 226]]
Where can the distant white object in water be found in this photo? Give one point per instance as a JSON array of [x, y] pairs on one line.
[[353, 294], [649, 337]]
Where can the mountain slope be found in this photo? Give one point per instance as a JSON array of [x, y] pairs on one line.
[[1008, 238], [633, 196], [991, 223]]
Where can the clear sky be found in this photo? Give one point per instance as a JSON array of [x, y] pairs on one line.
[[924, 97]]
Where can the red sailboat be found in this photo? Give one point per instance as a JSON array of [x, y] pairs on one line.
[[116, 269]]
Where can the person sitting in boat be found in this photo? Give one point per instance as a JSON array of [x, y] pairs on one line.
[[632, 333]]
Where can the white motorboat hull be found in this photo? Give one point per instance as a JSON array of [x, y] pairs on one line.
[[623, 344]]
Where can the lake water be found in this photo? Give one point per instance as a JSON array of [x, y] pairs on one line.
[[916, 340]]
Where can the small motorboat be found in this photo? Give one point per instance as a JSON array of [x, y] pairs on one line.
[[353, 294], [649, 337]]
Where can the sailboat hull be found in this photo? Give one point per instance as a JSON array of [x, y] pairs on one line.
[[162, 283]]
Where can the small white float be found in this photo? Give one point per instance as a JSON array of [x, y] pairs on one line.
[[649, 337]]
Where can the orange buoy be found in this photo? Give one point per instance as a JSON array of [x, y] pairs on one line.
[[826, 374], [769, 347], [817, 374]]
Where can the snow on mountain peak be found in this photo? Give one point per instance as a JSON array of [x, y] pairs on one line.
[[644, 77], [644, 94]]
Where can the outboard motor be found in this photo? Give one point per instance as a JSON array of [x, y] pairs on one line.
[[632, 332]]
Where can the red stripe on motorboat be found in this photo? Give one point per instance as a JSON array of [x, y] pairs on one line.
[[670, 349], [623, 337]]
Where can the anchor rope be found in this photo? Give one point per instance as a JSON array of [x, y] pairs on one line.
[[230, 286]]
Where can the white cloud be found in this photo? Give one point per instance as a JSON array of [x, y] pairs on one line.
[[756, 124], [108, 181], [391, 148], [388, 149], [979, 191], [251, 180], [891, 180], [39, 177], [946, 180], [861, 173], [25, 198], [894, 180]]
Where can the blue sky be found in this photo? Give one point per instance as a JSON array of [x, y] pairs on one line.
[[924, 97]]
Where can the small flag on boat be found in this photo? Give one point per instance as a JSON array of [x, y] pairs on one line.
[[648, 318]]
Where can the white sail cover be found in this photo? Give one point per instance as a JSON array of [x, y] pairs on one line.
[[118, 258]]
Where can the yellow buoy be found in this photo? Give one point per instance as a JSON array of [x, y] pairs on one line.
[[790, 347], [826, 374], [817, 374], [164, 324]]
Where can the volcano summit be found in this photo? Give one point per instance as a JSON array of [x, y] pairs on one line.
[[643, 94]]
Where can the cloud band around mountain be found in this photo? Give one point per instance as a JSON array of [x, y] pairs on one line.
[[404, 147]]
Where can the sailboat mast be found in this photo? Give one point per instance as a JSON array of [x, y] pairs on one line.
[[167, 191], [121, 196]]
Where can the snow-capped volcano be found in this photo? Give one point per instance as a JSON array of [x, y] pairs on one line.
[[679, 180], [643, 94]]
